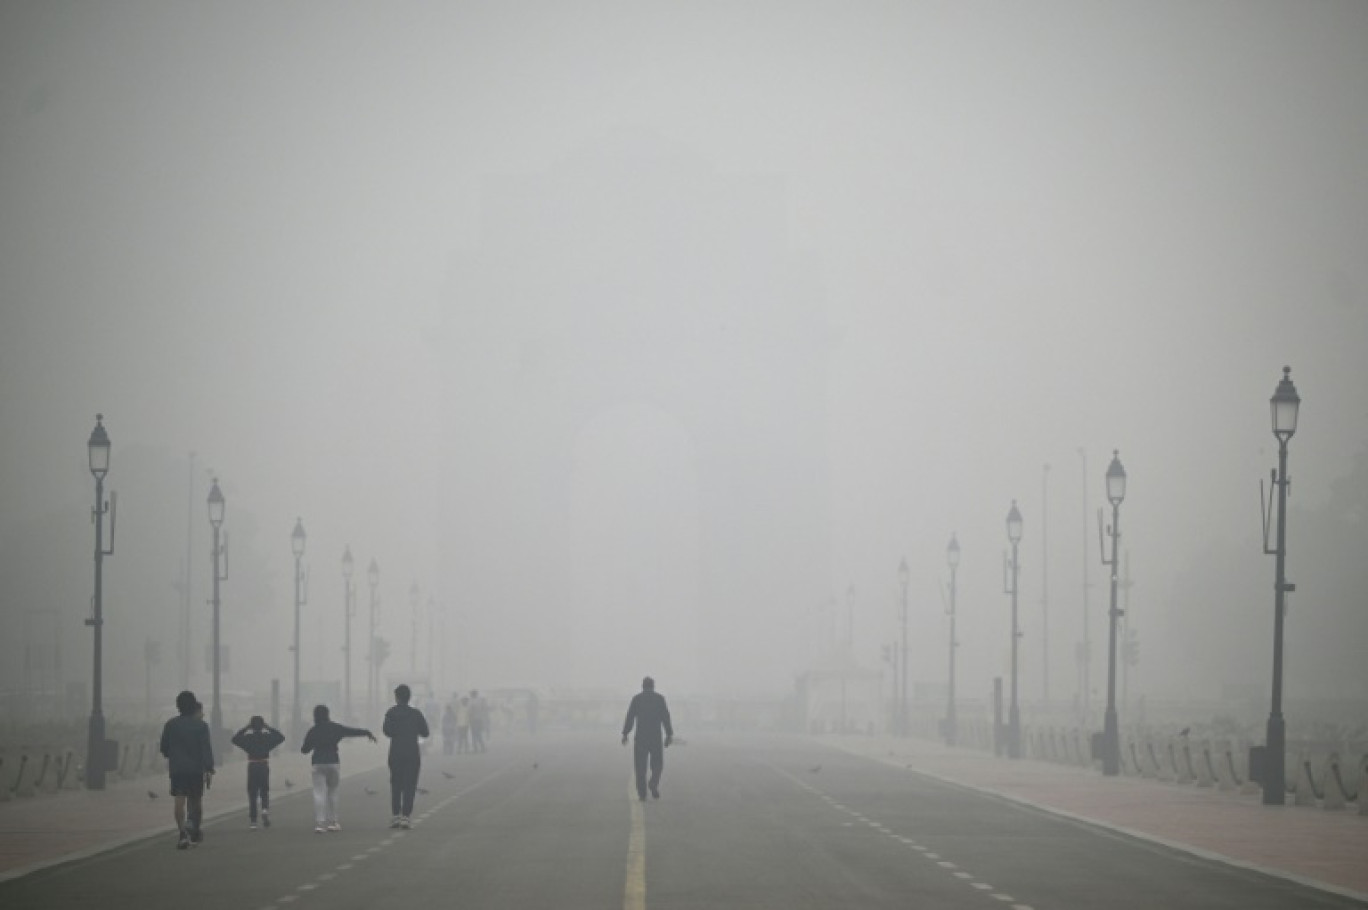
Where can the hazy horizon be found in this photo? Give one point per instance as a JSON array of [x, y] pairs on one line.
[[637, 336]]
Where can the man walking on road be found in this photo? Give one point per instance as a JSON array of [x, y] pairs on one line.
[[650, 714], [190, 762], [404, 724], [257, 740]]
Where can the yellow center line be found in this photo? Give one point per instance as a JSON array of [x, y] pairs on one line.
[[634, 890]]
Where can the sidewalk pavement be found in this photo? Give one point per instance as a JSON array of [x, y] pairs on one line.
[[1312, 846], [47, 829]]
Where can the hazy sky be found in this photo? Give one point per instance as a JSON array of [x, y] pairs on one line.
[[637, 332]]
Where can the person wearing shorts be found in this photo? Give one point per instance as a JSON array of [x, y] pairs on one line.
[[190, 763]]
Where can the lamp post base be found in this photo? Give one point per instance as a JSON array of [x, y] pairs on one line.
[[1014, 732], [1275, 755], [95, 752], [1111, 744]]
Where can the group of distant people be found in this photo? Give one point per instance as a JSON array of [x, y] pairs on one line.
[[189, 754], [465, 724]]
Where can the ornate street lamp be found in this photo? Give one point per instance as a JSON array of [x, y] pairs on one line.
[[1111, 736], [297, 539], [413, 626], [220, 551], [97, 448], [903, 578], [1010, 587], [348, 566], [1284, 407], [372, 670], [952, 559]]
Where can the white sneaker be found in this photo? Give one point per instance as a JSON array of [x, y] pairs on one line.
[[334, 826], [397, 821], [405, 823], [319, 829]]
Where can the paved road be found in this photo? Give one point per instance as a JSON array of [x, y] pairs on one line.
[[753, 822]]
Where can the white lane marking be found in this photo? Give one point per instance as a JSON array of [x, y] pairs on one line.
[[1021, 907], [1006, 898], [287, 898], [374, 849], [932, 855], [946, 864], [326, 876], [307, 886], [344, 867], [983, 886], [963, 875]]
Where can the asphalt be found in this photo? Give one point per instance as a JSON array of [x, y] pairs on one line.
[[746, 821]]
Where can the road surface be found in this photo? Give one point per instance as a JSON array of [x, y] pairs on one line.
[[744, 821]]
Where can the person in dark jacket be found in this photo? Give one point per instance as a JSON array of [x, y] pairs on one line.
[[404, 724], [257, 740], [322, 740], [650, 714], [190, 763]]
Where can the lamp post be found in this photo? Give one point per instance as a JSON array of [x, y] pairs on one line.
[[952, 558], [372, 674], [297, 539], [1010, 587], [1111, 738], [847, 652], [413, 627], [219, 552], [1284, 406], [348, 606], [97, 448], [903, 576]]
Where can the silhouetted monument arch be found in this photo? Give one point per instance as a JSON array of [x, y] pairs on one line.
[[633, 279]]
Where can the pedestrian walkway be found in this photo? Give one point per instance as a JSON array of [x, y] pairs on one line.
[[45, 830], [1312, 846]]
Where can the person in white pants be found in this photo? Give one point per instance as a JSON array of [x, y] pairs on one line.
[[322, 740]]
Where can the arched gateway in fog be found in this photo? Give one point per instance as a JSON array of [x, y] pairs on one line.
[[635, 442]]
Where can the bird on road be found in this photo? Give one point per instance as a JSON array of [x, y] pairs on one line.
[[448, 775], [814, 769], [369, 791], [151, 795], [422, 791], [1184, 731], [535, 766], [288, 783]]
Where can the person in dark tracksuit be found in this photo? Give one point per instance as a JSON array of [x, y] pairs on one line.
[[404, 724], [257, 740], [190, 762], [650, 714]]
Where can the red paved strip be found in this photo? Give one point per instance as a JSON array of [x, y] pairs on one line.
[[46, 829]]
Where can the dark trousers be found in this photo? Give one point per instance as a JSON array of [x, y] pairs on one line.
[[646, 751], [258, 787], [403, 784]]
